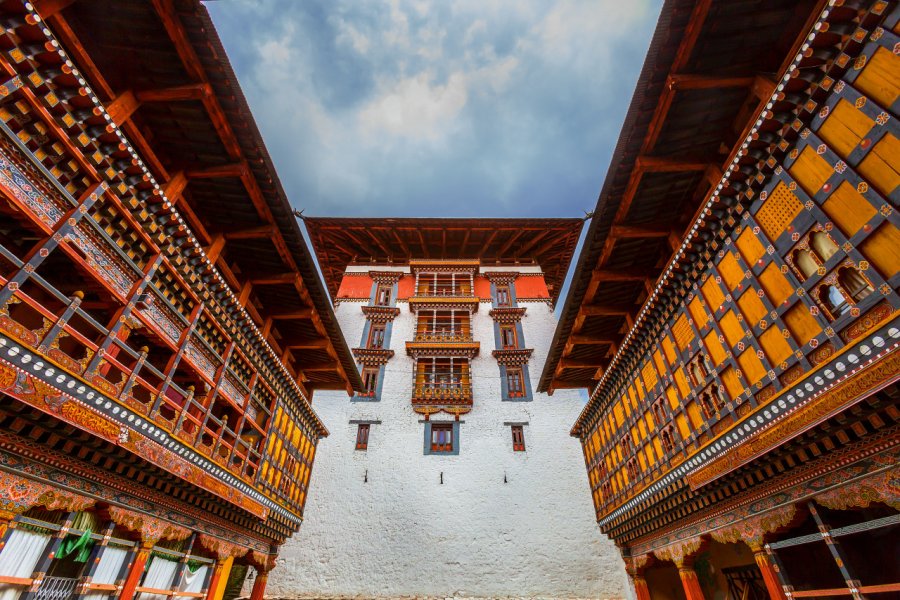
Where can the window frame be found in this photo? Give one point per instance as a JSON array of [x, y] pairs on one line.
[[386, 290], [518, 437], [449, 445], [373, 374], [518, 375], [509, 330], [504, 296], [362, 436], [377, 331]]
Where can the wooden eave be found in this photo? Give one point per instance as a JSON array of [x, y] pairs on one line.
[[709, 68], [339, 242], [169, 85]]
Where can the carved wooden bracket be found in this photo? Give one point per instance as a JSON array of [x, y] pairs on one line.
[[151, 529]]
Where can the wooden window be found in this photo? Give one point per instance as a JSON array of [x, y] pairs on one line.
[[370, 381], [518, 438], [442, 437], [503, 295], [383, 295], [633, 470], [508, 337], [627, 445], [515, 385], [362, 436], [376, 336]]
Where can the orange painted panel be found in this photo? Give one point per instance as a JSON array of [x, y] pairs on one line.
[[483, 288], [406, 286], [531, 287], [356, 286]]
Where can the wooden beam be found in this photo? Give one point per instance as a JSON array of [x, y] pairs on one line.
[[180, 93], [322, 366], [48, 8], [238, 169], [605, 310], [534, 240], [251, 233], [763, 87], [660, 164], [215, 248], [569, 363], [512, 239], [591, 340], [244, 296], [646, 231], [309, 345], [303, 313], [173, 188], [487, 244], [625, 274], [685, 81], [124, 105], [281, 278]]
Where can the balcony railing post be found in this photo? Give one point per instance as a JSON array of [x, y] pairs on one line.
[[60, 323]]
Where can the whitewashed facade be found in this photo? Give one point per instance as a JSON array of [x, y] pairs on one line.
[[486, 522]]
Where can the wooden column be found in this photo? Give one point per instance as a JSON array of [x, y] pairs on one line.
[[219, 578], [640, 587], [136, 570], [689, 581], [259, 586], [769, 574]]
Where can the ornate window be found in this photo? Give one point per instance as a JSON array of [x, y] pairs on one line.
[[804, 262], [441, 437], [822, 244], [834, 302], [503, 296], [697, 370], [362, 436], [508, 337], [515, 384], [376, 336], [518, 438], [370, 381], [854, 283], [667, 436], [627, 445], [659, 412], [633, 470], [383, 295]]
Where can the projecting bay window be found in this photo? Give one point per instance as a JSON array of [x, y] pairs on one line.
[[443, 326], [442, 378], [444, 284]]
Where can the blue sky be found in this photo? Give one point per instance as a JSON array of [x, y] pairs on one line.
[[484, 108]]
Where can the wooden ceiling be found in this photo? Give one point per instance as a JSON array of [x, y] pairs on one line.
[[710, 67], [162, 73], [549, 243]]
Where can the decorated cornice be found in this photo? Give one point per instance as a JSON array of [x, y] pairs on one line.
[[386, 276], [427, 349], [372, 357], [752, 531], [469, 303], [380, 314], [443, 337], [18, 494], [513, 357], [152, 530], [221, 548], [680, 553], [261, 561], [882, 488], [501, 277], [507, 315], [430, 409], [445, 266]]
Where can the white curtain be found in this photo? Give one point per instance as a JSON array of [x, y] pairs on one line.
[[193, 582], [108, 568], [20, 555], [160, 575]]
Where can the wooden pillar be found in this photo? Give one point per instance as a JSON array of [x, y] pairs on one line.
[[219, 578], [259, 586], [136, 571], [689, 581], [6, 518], [769, 574], [640, 587]]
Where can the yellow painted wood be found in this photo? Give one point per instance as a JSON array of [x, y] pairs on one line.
[[651, 424], [695, 416], [658, 360], [657, 445], [669, 349], [683, 428], [881, 165], [651, 457], [698, 312], [731, 328], [712, 292], [810, 170], [672, 397], [749, 246], [751, 366], [775, 285], [751, 307], [681, 382], [848, 209], [730, 271], [880, 78], [732, 383], [845, 127], [882, 249], [649, 375], [775, 345], [802, 325], [714, 347]]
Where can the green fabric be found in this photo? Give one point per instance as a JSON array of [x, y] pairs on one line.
[[193, 565], [82, 544]]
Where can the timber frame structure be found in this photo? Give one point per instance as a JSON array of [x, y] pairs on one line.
[[743, 427], [162, 323]]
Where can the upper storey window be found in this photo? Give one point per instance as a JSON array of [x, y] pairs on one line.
[[383, 295], [503, 296], [444, 284], [376, 336]]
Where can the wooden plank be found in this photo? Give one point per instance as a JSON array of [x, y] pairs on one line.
[[685, 81], [251, 233], [305, 313], [646, 231], [625, 274], [180, 93], [278, 279], [122, 107], [48, 8], [237, 169], [591, 340], [604, 310], [662, 164]]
